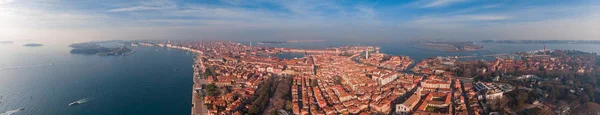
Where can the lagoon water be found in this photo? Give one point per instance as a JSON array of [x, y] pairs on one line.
[[44, 80]]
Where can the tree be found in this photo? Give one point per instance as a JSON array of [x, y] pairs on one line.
[[584, 98], [313, 82], [207, 72], [467, 73], [288, 105], [212, 90], [498, 104], [254, 110], [228, 89], [261, 98], [208, 106], [589, 108], [337, 80]]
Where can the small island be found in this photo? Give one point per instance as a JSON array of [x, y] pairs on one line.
[[92, 48], [289, 41], [272, 42], [448, 46], [6, 42], [33, 45]]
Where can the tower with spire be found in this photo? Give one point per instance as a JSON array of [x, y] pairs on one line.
[[544, 49], [367, 55]]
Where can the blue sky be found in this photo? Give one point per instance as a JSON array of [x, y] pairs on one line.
[[379, 20]]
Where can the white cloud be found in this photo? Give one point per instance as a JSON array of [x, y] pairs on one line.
[[6, 1], [580, 27], [35, 18], [476, 9], [299, 19], [440, 3], [367, 11], [509, 26], [237, 2], [148, 5], [459, 19], [484, 17], [215, 12]]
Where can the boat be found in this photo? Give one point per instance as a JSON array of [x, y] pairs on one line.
[[175, 69], [74, 103], [21, 109]]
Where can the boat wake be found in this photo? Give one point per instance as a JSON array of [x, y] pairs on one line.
[[12, 111], [79, 102]]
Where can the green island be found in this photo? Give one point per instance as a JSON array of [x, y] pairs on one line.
[[93, 48]]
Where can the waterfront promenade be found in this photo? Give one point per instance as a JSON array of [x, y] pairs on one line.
[[197, 99]]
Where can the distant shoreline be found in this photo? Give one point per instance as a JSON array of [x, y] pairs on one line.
[[33, 45], [92, 48], [543, 41], [289, 41], [447, 46], [6, 42]]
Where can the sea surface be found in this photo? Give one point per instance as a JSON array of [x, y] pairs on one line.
[[44, 80]]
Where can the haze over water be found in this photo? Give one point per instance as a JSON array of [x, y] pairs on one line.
[[44, 80], [404, 48]]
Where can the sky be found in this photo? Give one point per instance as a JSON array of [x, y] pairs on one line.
[[364, 20]]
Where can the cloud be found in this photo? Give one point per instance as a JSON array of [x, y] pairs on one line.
[[460, 19], [477, 8], [6, 1], [16, 17], [524, 23], [215, 12], [285, 19], [440, 3], [579, 27], [488, 15], [148, 5], [237, 2], [367, 11], [484, 17]]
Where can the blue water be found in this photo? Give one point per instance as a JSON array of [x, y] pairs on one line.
[[44, 80]]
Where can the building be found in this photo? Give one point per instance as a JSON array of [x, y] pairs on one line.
[[491, 90], [387, 78], [435, 84], [407, 106]]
